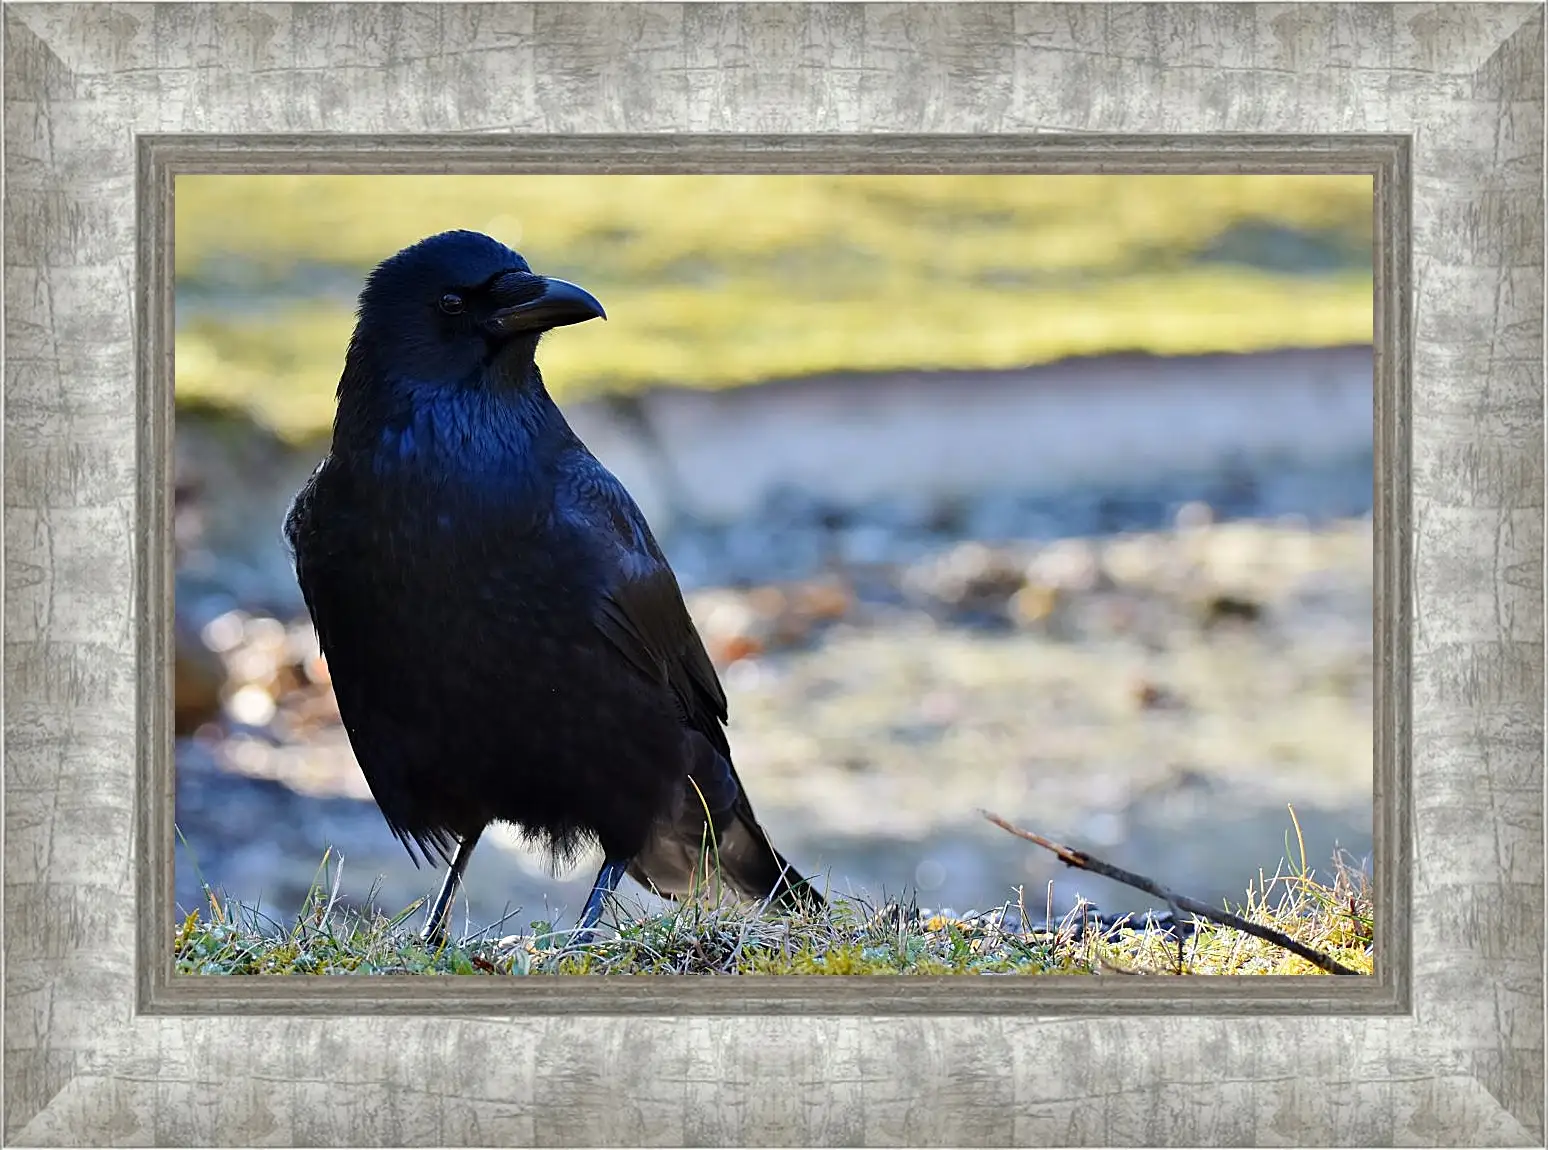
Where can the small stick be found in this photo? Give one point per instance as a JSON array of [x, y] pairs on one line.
[[1082, 861]]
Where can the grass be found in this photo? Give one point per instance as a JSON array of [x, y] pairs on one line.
[[851, 938], [717, 281]]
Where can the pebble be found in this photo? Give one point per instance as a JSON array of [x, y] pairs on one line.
[[225, 631], [252, 706], [1071, 565]]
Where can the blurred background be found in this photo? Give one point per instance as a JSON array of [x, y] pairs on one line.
[[1045, 494]]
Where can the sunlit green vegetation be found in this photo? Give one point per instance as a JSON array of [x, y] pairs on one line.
[[715, 281]]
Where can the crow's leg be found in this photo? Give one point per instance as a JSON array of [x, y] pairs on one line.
[[606, 883], [435, 923]]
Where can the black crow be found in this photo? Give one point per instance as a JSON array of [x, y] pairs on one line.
[[505, 637]]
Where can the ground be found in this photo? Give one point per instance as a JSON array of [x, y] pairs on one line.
[[1163, 696]]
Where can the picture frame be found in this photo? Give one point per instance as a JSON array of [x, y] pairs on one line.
[[106, 104]]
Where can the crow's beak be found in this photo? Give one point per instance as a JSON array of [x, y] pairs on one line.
[[537, 303]]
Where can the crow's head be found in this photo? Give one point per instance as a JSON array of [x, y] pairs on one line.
[[447, 307]]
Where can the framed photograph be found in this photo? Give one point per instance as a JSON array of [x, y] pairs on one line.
[[1122, 421]]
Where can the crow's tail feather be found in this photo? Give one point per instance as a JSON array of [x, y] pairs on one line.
[[717, 819], [672, 863], [750, 863], [796, 891]]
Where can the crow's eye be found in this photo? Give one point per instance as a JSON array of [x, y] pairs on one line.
[[451, 304]]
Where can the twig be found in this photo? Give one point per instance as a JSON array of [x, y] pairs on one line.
[[1082, 861], [1118, 968]]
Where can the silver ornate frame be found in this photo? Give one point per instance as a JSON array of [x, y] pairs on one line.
[[1442, 103]]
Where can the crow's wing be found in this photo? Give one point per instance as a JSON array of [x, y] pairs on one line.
[[641, 612], [642, 616]]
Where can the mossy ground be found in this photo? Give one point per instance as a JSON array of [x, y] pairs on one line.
[[718, 281], [1335, 917]]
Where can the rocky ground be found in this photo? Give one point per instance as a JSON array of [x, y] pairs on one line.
[[1151, 679]]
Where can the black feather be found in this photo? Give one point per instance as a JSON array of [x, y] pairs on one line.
[[506, 640]]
